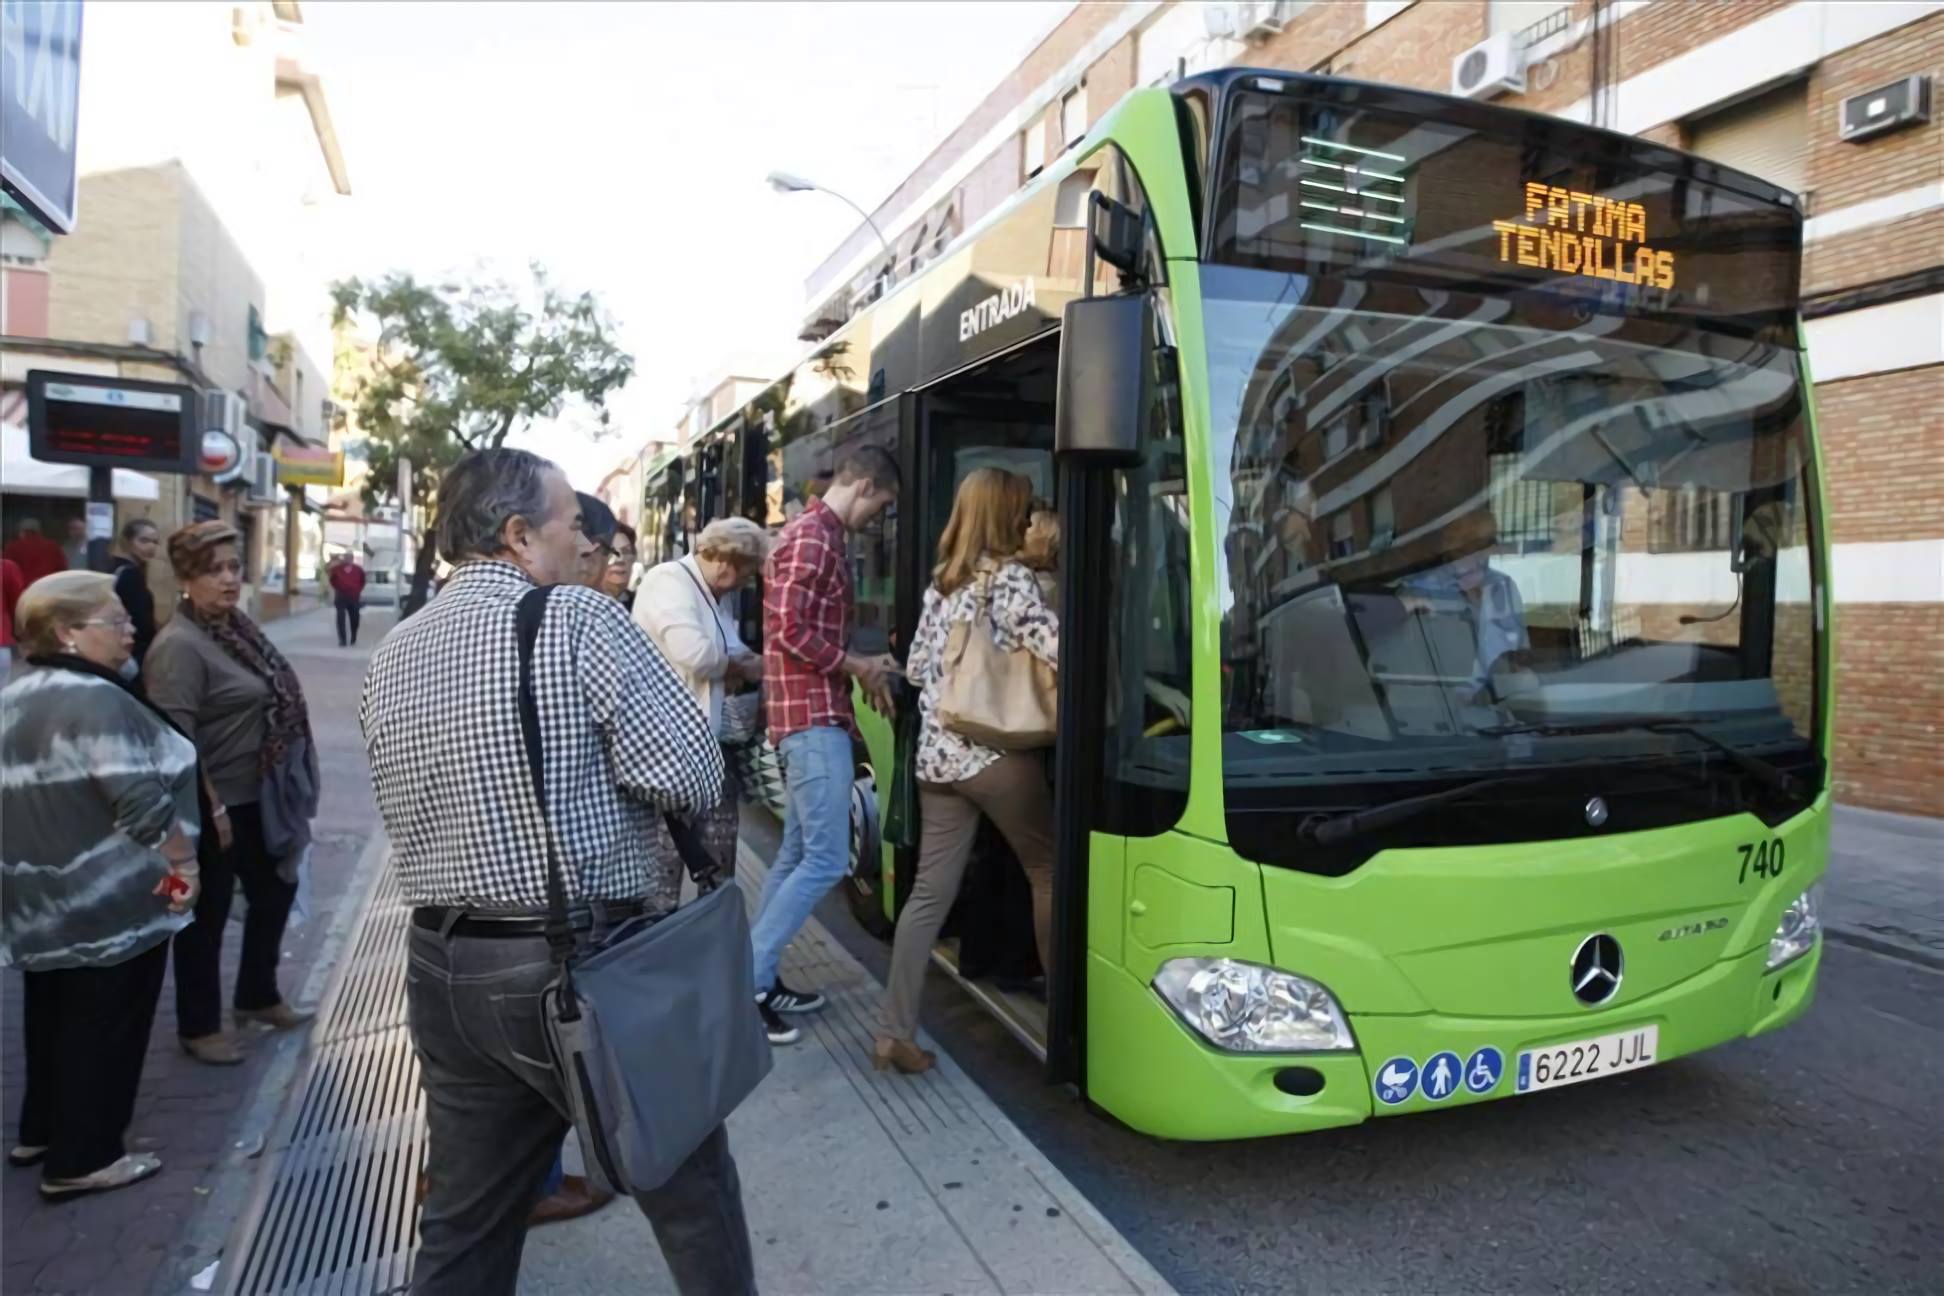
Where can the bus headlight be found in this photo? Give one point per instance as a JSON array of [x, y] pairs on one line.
[[1796, 934], [1248, 1008]]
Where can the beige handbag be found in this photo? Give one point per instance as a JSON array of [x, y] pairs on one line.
[[999, 699]]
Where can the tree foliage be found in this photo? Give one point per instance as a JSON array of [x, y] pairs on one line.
[[457, 367]]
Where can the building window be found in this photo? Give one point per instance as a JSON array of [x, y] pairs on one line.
[[259, 343], [1035, 146], [1343, 534], [1073, 116], [1383, 518], [1767, 136]]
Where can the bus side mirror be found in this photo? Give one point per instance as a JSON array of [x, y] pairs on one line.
[[1106, 384]]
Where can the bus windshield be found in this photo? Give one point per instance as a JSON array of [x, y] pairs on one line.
[[1457, 545]]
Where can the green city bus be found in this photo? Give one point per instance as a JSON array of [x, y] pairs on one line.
[[1445, 678]]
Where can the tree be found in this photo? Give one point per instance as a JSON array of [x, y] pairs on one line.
[[460, 367]]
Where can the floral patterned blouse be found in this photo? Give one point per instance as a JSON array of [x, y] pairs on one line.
[[1020, 619]]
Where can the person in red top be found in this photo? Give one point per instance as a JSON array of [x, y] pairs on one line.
[[34, 553], [11, 587], [347, 588], [808, 606]]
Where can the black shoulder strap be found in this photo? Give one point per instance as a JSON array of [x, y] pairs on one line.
[[560, 930]]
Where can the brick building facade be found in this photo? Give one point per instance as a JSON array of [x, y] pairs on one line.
[[1757, 84]]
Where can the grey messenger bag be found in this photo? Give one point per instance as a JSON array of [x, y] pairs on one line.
[[653, 1025]]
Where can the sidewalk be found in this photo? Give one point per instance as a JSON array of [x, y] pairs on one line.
[[204, 1122], [1885, 890], [857, 1181]]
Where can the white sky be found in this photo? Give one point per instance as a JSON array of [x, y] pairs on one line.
[[624, 147]]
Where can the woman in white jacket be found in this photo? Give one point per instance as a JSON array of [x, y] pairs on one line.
[[685, 607]]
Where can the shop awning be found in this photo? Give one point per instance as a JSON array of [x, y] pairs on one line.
[[22, 474]]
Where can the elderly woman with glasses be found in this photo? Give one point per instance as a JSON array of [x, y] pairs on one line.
[[99, 825], [227, 687]]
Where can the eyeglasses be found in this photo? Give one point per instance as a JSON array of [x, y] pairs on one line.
[[116, 623]]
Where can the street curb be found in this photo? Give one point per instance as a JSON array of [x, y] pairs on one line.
[[207, 1235], [1112, 1244], [1888, 948]]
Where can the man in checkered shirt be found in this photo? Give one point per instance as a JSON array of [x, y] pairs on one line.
[[808, 607], [623, 741]]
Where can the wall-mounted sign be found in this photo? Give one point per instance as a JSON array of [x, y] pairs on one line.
[[308, 465], [40, 94], [111, 422], [1569, 232], [220, 453]]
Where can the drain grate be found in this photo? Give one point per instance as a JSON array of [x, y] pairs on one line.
[[335, 1212]]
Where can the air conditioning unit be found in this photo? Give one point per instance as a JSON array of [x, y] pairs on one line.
[[1906, 102], [1494, 66], [262, 490], [1245, 21]]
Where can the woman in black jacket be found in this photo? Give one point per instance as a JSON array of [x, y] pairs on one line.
[[140, 540]]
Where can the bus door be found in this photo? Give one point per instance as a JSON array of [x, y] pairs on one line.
[[996, 414]]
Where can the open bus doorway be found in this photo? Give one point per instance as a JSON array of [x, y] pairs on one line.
[[996, 415]]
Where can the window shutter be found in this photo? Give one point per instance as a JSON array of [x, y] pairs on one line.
[[1767, 136]]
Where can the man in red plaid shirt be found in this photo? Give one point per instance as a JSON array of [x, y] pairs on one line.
[[808, 605]]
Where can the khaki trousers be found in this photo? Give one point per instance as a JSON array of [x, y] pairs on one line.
[[1011, 792]]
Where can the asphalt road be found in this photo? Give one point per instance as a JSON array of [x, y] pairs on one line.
[[1811, 1160]]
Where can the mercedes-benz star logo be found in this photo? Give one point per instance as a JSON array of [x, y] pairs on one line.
[[1597, 968]]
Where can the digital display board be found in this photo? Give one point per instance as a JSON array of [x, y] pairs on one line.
[[1350, 183], [111, 422]]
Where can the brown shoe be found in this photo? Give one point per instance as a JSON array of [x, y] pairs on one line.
[[277, 1017], [902, 1054], [574, 1198], [213, 1050]]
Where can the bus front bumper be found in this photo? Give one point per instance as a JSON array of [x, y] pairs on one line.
[[1149, 1070]]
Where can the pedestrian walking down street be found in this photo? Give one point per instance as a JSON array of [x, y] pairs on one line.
[[623, 743], [808, 609], [238, 699], [684, 605], [980, 577], [347, 578], [100, 871], [141, 539]]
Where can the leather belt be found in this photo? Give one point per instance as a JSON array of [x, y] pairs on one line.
[[526, 925]]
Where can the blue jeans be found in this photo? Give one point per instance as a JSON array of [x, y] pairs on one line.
[[817, 776]]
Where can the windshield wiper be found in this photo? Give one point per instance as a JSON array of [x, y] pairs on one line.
[[1770, 775], [1328, 830]]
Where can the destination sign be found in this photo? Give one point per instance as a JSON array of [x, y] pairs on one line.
[[111, 422], [1569, 232]]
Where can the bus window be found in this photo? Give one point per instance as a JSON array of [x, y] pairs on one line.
[[809, 462]]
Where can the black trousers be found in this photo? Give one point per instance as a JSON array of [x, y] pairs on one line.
[[199, 946], [348, 612], [87, 1032], [495, 1115]]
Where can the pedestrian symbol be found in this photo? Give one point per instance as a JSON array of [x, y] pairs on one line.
[[1483, 1071], [1396, 1080], [1441, 1076]]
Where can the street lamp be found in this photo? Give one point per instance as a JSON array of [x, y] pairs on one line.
[[784, 182]]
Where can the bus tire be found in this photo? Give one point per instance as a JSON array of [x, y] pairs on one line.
[[864, 879]]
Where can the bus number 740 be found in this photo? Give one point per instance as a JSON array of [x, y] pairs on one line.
[[1764, 857]]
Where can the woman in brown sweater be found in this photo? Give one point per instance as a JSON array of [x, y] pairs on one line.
[[237, 698]]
